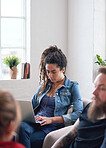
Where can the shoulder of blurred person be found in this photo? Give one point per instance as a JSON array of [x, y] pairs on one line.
[[10, 118], [11, 144]]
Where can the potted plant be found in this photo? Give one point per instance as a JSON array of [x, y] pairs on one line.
[[12, 63], [100, 61]]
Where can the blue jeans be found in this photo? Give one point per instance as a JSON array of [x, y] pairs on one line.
[[31, 135]]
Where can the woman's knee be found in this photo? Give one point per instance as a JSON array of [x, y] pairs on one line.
[[26, 128], [23, 126]]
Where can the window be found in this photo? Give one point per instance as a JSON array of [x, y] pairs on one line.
[[14, 33]]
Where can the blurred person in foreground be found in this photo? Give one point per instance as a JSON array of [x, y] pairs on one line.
[[89, 131], [9, 120]]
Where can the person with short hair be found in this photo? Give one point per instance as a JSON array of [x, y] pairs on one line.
[[52, 100], [9, 120]]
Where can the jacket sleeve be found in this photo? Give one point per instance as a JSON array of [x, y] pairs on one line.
[[77, 103], [34, 101]]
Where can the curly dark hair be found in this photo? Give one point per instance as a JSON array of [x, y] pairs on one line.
[[51, 55]]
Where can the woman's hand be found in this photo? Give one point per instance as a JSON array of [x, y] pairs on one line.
[[44, 120]]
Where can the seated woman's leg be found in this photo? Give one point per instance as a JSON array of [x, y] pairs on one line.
[[52, 137], [37, 139], [25, 130], [31, 135]]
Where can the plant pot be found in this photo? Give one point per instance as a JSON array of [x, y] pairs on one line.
[[13, 72]]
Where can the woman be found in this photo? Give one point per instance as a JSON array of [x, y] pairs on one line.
[[9, 120], [52, 100]]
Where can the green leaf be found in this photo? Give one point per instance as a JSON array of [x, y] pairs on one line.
[[100, 61], [11, 61]]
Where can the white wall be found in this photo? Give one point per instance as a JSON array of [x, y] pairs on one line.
[[100, 27], [80, 44], [70, 27], [99, 31]]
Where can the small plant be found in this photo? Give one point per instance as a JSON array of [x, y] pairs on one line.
[[11, 61], [100, 61]]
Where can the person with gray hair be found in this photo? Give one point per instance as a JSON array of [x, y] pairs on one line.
[[9, 120]]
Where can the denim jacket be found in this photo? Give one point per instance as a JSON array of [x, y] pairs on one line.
[[67, 95]]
